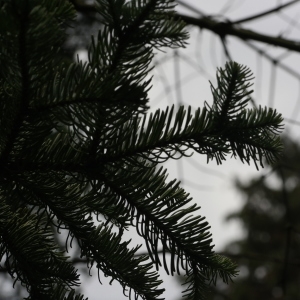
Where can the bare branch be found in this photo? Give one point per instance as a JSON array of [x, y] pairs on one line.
[[265, 13], [226, 28]]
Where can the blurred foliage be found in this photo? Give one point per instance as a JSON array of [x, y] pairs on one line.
[[268, 254]]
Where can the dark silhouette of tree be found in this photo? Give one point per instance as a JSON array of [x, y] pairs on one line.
[[268, 256], [77, 143]]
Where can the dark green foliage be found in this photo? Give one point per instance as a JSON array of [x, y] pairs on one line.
[[76, 143]]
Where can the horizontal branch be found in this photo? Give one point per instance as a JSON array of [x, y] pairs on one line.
[[227, 29], [220, 28]]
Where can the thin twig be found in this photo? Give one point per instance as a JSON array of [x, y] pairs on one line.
[[265, 13], [190, 7]]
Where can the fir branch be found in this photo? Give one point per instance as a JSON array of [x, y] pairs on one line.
[[89, 151], [31, 254], [99, 245], [227, 126], [162, 216]]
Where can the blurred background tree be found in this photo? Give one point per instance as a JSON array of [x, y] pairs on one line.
[[268, 253], [263, 36]]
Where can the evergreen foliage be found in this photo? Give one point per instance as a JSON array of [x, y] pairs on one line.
[[76, 142]]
